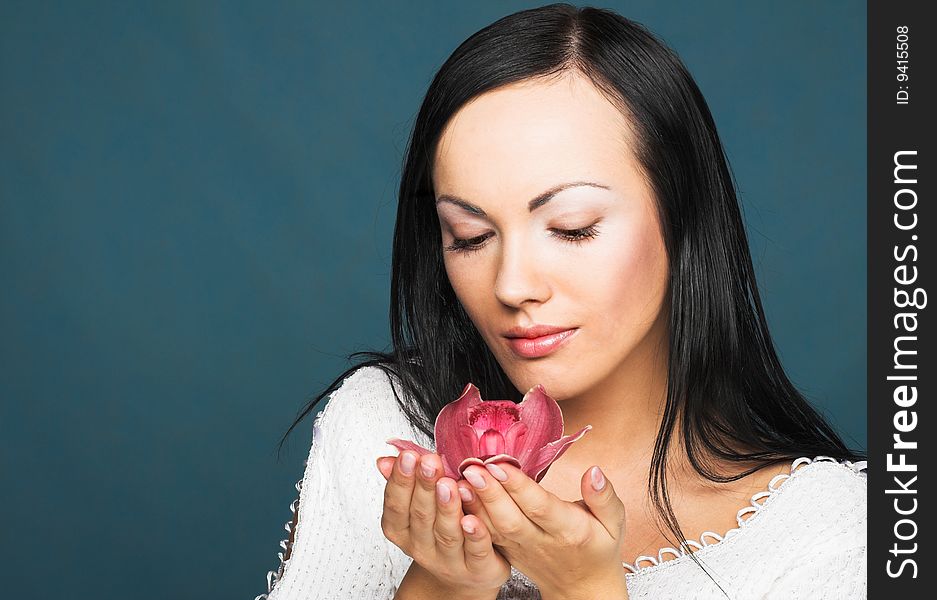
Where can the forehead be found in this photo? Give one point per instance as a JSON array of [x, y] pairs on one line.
[[517, 138]]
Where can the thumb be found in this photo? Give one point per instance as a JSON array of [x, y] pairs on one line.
[[385, 464], [600, 497]]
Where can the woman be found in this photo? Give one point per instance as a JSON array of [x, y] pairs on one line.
[[565, 171]]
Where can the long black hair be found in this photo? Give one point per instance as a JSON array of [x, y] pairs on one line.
[[723, 372]]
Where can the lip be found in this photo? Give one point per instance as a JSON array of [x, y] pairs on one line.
[[534, 331], [540, 346]]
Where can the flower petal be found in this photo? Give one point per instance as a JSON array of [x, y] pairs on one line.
[[544, 421], [450, 440], [514, 439], [467, 442], [536, 467], [464, 445], [472, 460], [448, 470], [408, 445], [503, 458]]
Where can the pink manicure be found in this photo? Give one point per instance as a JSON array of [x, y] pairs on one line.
[[477, 481], [442, 492], [497, 472], [408, 463], [466, 494]]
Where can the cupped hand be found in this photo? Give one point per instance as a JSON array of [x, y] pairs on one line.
[[561, 546], [423, 516]]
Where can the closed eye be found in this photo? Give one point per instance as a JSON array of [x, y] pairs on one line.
[[574, 236]]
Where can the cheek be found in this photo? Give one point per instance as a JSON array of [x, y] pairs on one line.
[[469, 284], [631, 281], [459, 276]]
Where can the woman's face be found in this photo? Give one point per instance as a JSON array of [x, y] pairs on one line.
[[503, 150]]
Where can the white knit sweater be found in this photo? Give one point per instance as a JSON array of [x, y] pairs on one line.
[[803, 537]]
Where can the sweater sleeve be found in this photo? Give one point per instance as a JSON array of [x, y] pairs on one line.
[[339, 549]]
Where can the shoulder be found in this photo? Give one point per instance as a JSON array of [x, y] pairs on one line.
[[351, 433], [341, 493], [819, 531], [821, 502], [365, 394], [834, 481], [364, 410], [807, 528]]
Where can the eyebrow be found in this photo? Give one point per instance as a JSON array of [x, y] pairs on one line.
[[533, 205]]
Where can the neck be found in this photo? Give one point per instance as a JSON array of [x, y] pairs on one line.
[[625, 411]]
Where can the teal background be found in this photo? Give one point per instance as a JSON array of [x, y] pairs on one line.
[[196, 212]]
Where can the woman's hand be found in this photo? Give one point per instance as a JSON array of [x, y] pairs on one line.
[[569, 549], [423, 516]]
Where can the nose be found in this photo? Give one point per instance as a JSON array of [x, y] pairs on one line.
[[520, 275]]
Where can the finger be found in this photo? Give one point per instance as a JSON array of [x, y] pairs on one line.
[[447, 530], [506, 518], [599, 495], [471, 505], [539, 505], [398, 494], [423, 503], [477, 548], [385, 464]]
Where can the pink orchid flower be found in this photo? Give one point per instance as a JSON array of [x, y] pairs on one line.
[[472, 431]]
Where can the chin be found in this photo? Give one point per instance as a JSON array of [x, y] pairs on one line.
[[554, 384], [560, 377]]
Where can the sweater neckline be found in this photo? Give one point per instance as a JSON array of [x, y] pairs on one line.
[[759, 501]]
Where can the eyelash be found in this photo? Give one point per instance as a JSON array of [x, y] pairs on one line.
[[573, 236]]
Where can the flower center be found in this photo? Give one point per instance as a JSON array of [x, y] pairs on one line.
[[494, 414], [490, 444]]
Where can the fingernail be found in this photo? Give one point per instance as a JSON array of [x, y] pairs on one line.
[[468, 528], [598, 479], [427, 470], [466, 495], [477, 481], [442, 492], [407, 463], [497, 472]]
